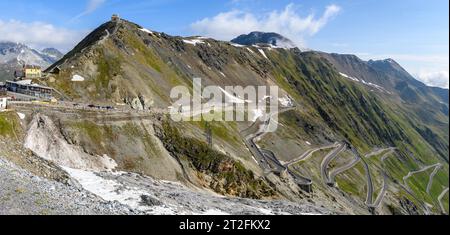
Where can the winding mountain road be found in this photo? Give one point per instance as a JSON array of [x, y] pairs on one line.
[[369, 197], [270, 156], [384, 188], [432, 175], [378, 152], [306, 155], [328, 159], [406, 187], [263, 156], [441, 196], [302, 180], [342, 169], [370, 189], [411, 173]]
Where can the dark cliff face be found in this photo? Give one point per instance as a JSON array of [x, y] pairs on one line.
[[255, 38]]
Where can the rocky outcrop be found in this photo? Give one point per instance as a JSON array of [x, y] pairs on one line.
[[214, 169], [140, 103], [272, 39], [46, 141]]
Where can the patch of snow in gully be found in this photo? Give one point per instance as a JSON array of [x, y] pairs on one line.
[[21, 116], [193, 41], [77, 78], [110, 190], [146, 31], [262, 53]]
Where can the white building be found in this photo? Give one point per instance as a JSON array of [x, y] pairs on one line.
[[3, 103]]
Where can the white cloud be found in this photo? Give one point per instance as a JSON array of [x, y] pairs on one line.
[[38, 34], [288, 22], [91, 6], [434, 78]]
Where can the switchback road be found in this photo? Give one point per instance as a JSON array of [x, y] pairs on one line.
[[328, 159], [440, 200]]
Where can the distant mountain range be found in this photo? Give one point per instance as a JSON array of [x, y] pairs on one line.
[[14, 55]]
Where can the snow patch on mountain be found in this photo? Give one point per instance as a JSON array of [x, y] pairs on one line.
[[262, 53], [380, 88], [237, 45], [146, 31], [286, 101], [21, 116], [194, 41], [257, 113], [111, 190], [351, 78], [77, 78]]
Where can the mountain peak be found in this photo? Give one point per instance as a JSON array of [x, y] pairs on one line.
[[389, 64], [14, 52], [256, 37], [107, 30], [52, 52], [13, 55], [385, 61]]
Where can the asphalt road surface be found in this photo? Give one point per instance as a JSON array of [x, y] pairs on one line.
[[432, 175], [342, 169], [440, 200], [328, 159]]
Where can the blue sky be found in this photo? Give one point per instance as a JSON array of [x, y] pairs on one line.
[[413, 32]]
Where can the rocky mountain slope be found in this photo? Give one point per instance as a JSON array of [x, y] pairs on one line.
[[14, 55], [428, 106], [55, 176], [346, 118]]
